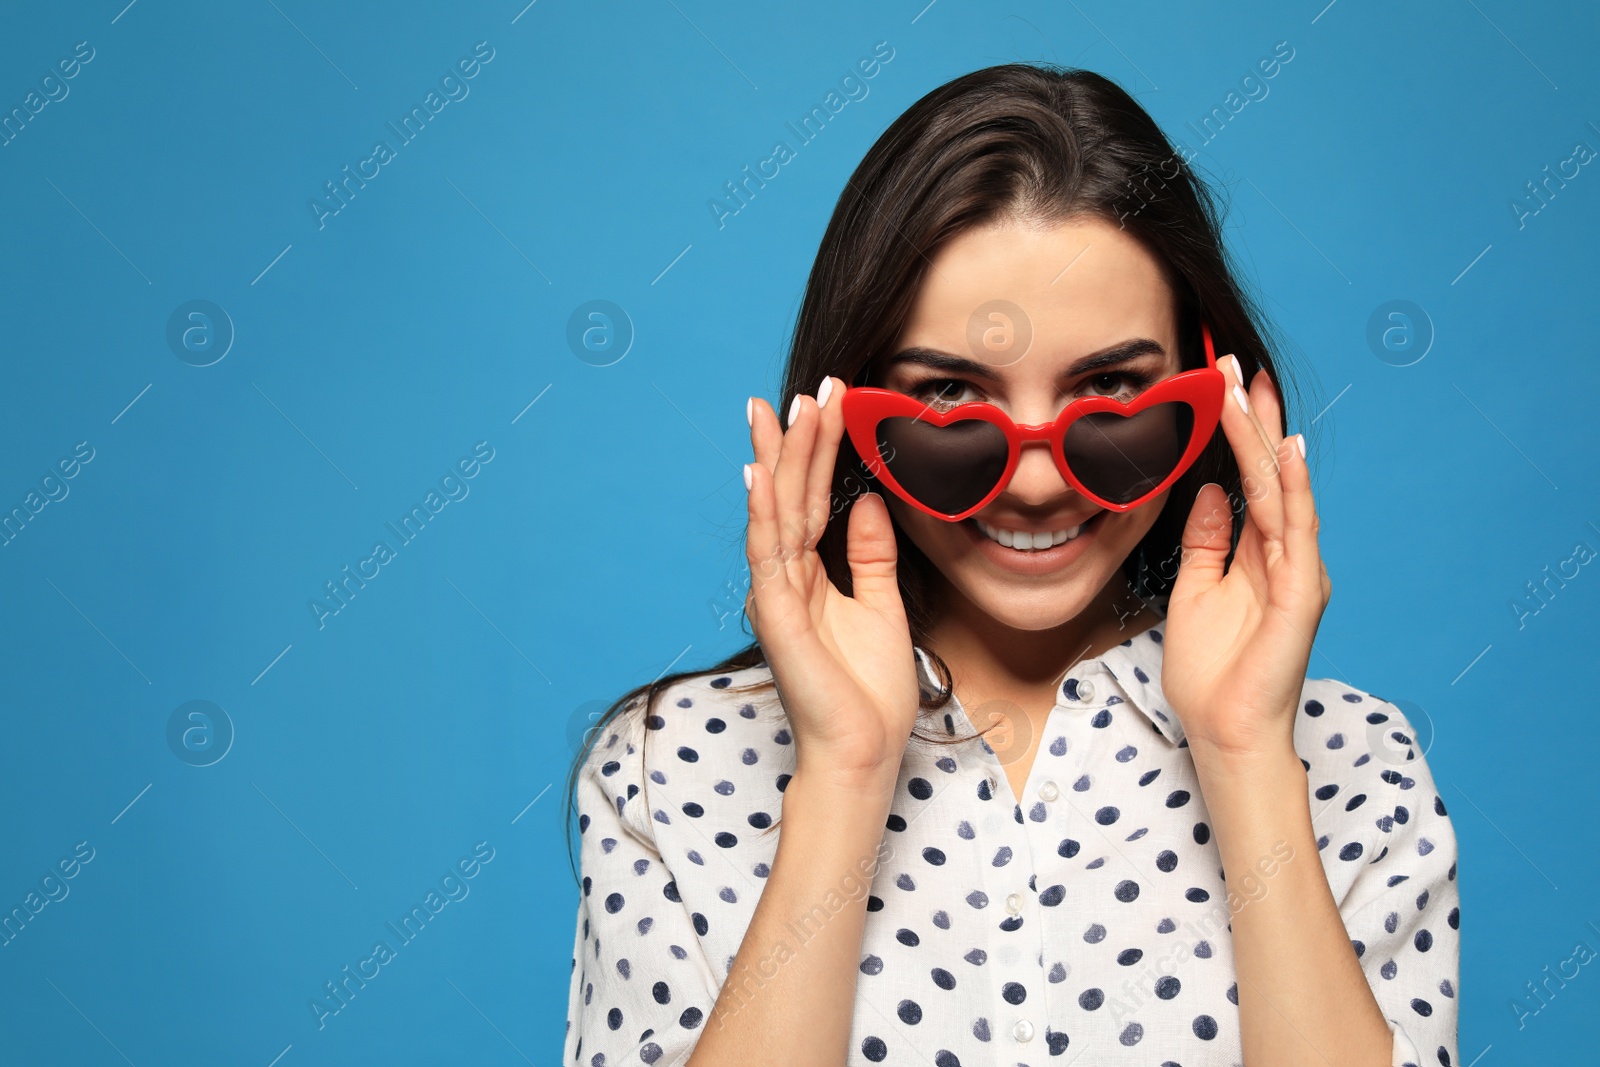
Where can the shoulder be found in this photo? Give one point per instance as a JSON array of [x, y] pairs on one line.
[[1371, 786], [1353, 736], [706, 729]]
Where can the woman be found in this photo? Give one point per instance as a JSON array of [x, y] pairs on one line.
[[1179, 849]]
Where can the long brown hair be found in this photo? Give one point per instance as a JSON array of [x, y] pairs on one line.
[[1039, 142]]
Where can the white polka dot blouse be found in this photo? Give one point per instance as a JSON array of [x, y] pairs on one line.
[[1087, 917]]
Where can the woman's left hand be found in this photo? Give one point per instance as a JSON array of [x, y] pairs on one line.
[[1238, 642]]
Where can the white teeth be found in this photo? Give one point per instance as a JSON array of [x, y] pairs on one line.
[[1028, 541]]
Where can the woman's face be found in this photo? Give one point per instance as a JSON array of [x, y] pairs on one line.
[[1020, 308]]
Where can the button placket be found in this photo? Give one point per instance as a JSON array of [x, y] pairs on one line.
[[1068, 820], [1029, 962], [1025, 945]]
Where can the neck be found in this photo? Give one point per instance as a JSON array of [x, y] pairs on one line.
[[965, 635]]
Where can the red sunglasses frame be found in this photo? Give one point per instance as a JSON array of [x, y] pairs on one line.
[[1202, 389]]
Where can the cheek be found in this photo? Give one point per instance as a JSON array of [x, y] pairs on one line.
[[1145, 515], [1120, 533], [944, 543], [925, 531]]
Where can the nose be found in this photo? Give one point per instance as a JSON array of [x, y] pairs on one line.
[[1037, 480]]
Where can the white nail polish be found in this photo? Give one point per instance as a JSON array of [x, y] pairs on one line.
[[750, 411], [824, 391], [794, 409], [747, 477], [1238, 373], [1244, 403], [1300, 443]]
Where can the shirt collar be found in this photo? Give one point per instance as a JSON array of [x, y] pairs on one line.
[[1134, 670]]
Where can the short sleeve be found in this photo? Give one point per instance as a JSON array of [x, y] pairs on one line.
[[641, 987], [1403, 911]]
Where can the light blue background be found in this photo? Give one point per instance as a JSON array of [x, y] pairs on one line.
[[602, 543]]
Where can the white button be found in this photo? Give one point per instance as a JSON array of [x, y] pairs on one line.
[[1048, 791], [1014, 903], [1023, 1031], [1085, 690]]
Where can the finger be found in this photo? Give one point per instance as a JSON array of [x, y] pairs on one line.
[[766, 435], [819, 481], [1230, 363], [763, 550], [1265, 406], [1207, 536], [1300, 526], [793, 470], [872, 553], [1258, 462]]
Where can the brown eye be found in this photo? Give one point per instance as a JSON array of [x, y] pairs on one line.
[[941, 393], [1117, 385]]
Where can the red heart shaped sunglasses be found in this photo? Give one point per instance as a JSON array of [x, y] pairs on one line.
[[951, 464]]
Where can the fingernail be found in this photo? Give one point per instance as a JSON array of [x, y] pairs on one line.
[[794, 409], [1300, 443], [747, 476], [824, 391], [750, 411], [1238, 373], [1244, 402]]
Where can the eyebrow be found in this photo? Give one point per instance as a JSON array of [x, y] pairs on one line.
[[1121, 352]]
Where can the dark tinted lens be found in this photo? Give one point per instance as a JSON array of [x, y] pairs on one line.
[[1122, 457], [948, 468]]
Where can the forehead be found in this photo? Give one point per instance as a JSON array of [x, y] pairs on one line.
[[1061, 289]]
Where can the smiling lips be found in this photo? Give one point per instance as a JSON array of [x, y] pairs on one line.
[[1026, 541]]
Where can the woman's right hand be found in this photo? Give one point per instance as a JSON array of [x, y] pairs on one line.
[[844, 666]]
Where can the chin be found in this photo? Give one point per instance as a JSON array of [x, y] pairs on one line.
[[1032, 603], [1050, 610]]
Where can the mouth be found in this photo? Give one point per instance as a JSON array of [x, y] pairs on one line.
[[1023, 541], [1033, 553]]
